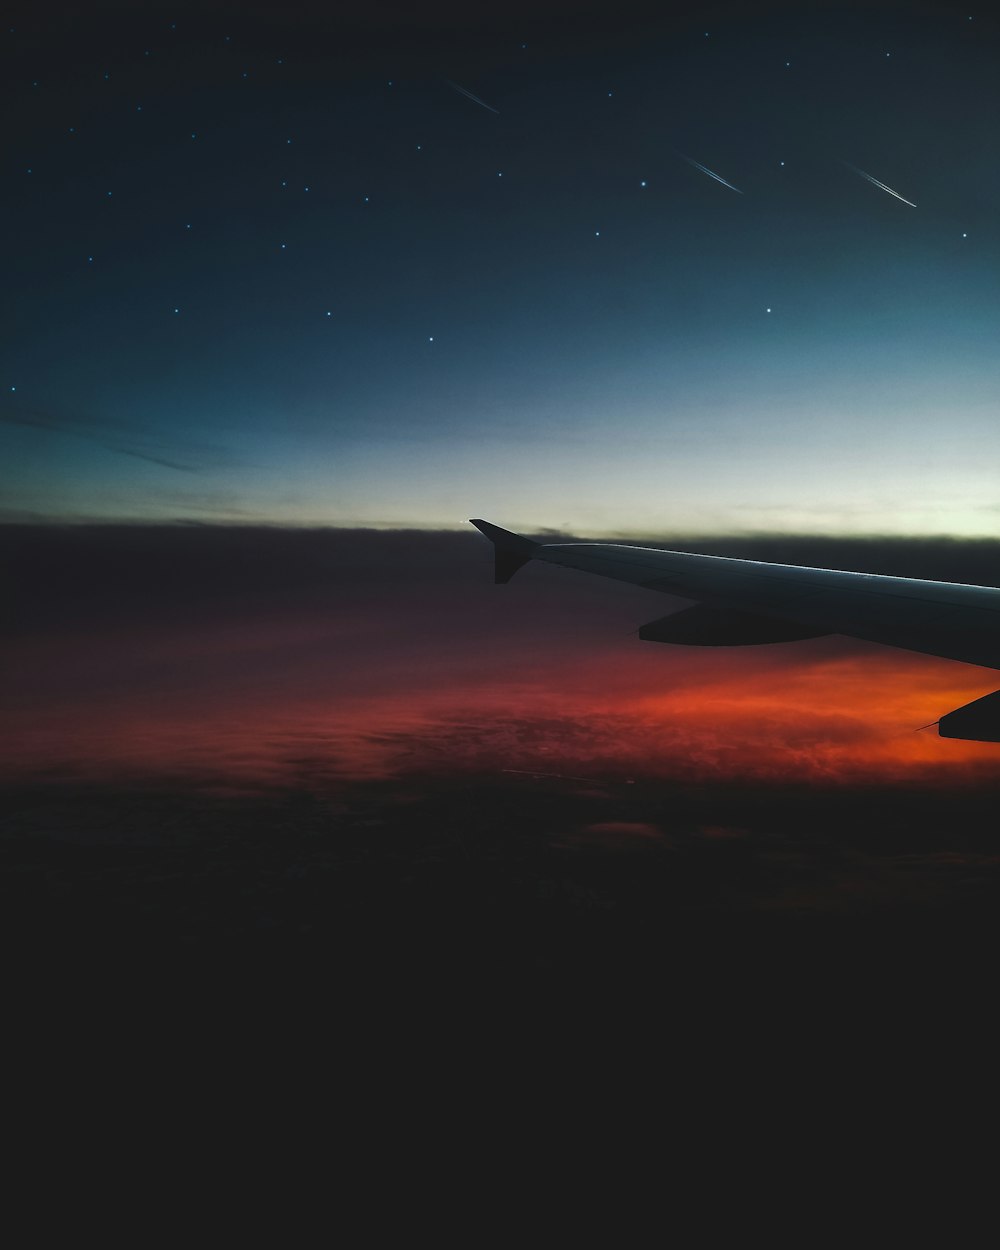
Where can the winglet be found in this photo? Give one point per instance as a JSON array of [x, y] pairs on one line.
[[511, 551]]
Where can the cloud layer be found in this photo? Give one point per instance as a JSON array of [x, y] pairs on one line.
[[277, 655]]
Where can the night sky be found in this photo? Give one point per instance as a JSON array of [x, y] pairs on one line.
[[292, 292], [270, 267]]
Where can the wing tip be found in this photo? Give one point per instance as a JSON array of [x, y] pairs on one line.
[[510, 551]]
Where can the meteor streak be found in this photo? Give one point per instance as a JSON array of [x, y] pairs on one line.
[[474, 98], [705, 170], [881, 185]]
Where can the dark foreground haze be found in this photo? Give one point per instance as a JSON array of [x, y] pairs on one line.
[[273, 750]]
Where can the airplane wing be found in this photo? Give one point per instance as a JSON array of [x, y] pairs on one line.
[[749, 602]]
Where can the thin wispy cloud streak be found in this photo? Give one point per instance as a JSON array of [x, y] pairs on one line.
[[881, 185], [34, 419], [160, 460], [474, 98], [705, 170]]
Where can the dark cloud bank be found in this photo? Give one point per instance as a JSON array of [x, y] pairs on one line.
[[446, 876], [61, 574]]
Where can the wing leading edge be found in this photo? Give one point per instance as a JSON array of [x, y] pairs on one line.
[[745, 602]]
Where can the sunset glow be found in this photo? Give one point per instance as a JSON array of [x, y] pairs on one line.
[[831, 711]]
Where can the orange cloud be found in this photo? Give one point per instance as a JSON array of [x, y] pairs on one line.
[[277, 657], [827, 712]]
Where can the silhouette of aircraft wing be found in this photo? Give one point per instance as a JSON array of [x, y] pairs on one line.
[[751, 602]]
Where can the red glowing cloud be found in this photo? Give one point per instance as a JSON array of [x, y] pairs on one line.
[[385, 675]]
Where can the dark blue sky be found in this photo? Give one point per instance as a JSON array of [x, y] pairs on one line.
[[268, 265]]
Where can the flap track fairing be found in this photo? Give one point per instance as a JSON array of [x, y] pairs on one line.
[[706, 626]]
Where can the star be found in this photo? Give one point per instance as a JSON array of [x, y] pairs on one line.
[[767, 310], [431, 339], [643, 183]]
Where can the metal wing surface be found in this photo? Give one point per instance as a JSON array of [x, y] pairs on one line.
[[753, 601]]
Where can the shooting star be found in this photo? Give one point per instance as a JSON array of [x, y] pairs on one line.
[[474, 98], [705, 170], [881, 185]]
